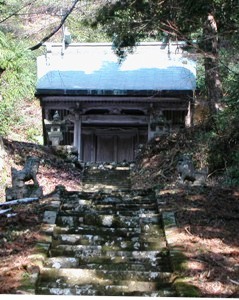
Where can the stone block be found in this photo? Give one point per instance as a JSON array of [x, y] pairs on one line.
[[49, 217]]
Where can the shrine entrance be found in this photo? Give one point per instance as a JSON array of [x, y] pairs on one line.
[[111, 144]]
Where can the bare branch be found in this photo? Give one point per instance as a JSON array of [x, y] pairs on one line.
[[16, 12], [37, 46]]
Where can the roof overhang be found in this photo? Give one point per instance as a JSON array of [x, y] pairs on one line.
[[94, 70], [40, 93]]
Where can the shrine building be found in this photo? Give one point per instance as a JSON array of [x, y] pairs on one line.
[[110, 107]]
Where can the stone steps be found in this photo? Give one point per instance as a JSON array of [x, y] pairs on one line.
[[96, 178], [124, 245], [107, 244], [92, 276], [127, 289], [84, 239], [112, 208], [87, 229], [108, 263], [106, 220], [103, 282]]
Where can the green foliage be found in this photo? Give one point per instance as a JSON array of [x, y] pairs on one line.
[[178, 18], [82, 32], [201, 86], [128, 22], [34, 135], [224, 144], [17, 79], [233, 170]]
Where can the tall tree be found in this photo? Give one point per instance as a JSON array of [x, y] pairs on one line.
[[210, 21]]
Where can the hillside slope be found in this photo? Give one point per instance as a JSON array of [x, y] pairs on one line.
[[26, 140]]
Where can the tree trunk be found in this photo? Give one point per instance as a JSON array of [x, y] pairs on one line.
[[211, 64]]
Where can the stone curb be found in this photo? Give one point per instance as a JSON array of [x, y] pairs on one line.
[[42, 247], [178, 259]]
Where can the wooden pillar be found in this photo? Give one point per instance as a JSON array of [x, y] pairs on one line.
[[45, 115], [77, 134], [150, 133], [115, 141], [93, 150], [189, 116], [149, 128], [150, 111]]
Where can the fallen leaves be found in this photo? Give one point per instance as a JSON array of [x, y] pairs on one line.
[[209, 239], [18, 236]]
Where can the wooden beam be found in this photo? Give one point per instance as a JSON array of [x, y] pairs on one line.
[[73, 99], [114, 119], [175, 104]]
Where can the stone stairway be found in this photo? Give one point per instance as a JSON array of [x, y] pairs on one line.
[[107, 243], [107, 177]]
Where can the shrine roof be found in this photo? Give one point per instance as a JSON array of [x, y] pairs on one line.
[[85, 69]]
